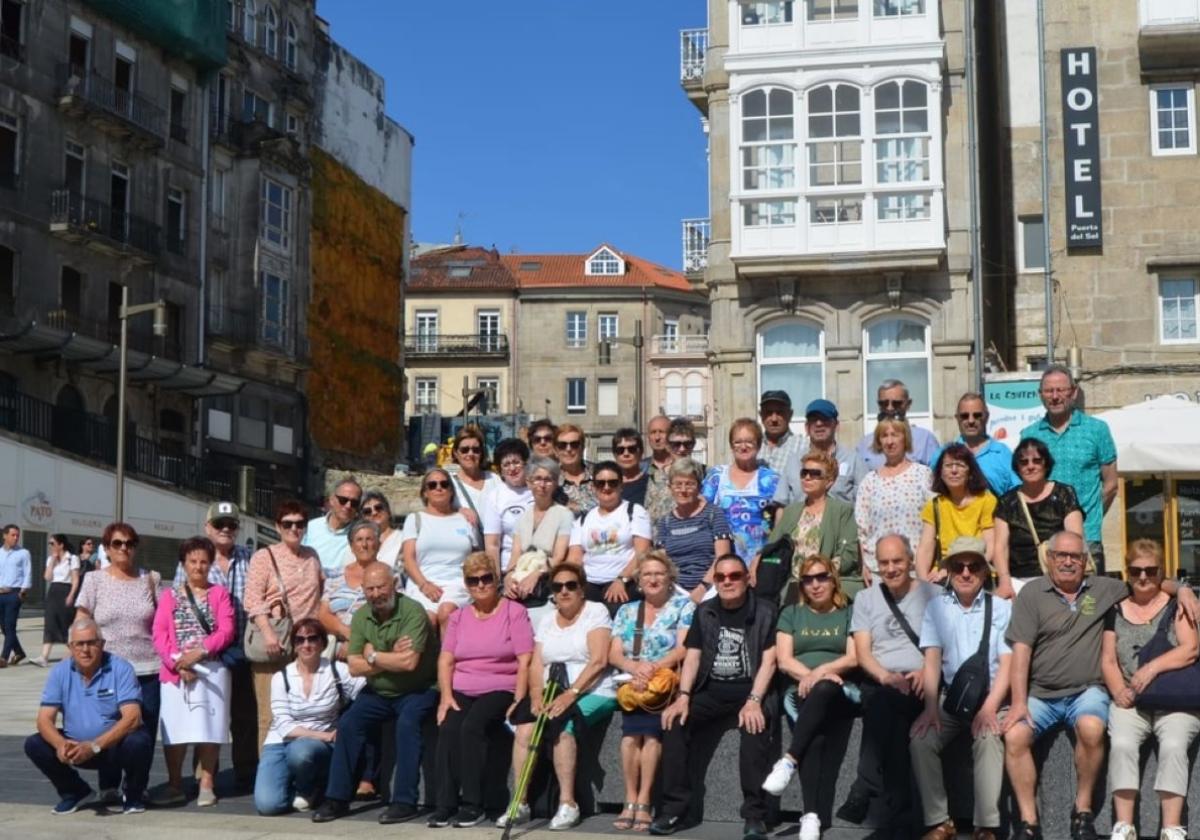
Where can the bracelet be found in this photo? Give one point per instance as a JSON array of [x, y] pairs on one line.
[[755, 698], [683, 692]]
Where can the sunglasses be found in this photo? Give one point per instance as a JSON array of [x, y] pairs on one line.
[[681, 444], [606, 483], [892, 403], [970, 415], [629, 449], [437, 485], [568, 444], [732, 577], [560, 585], [1143, 571], [805, 473], [819, 577], [226, 525], [958, 568], [371, 510], [308, 639], [121, 544], [468, 450], [480, 580], [346, 500], [543, 438], [293, 524]]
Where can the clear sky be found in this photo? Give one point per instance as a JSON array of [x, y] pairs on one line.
[[552, 125]]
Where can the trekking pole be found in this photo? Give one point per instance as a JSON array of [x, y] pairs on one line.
[[535, 742]]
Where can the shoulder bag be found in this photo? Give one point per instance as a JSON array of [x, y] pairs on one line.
[[937, 534], [254, 644], [660, 688], [900, 619], [1037, 541], [462, 491], [1170, 691], [969, 688]]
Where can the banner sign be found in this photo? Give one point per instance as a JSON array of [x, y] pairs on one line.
[[1013, 402], [1081, 147]]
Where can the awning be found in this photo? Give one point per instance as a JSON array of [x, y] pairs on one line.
[[1158, 435]]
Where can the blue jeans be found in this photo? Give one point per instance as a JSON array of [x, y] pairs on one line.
[[10, 609], [132, 756], [296, 767], [151, 702], [366, 714]]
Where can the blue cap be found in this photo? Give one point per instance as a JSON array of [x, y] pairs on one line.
[[822, 407]]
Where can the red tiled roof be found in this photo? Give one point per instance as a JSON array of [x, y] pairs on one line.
[[460, 267], [567, 270]]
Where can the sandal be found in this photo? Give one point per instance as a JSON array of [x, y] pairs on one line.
[[641, 823], [624, 823]]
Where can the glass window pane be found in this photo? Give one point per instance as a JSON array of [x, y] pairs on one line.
[[754, 104], [781, 101], [887, 122], [887, 95], [802, 382], [912, 372], [915, 94], [848, 125], [820, 126], [754, 131], [847, 98], [781, 128], [896, 336], [820, 100], [791, 341]]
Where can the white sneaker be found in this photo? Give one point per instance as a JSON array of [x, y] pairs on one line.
[[777, 780], [299, 803], [567, 816], [810, 827], [1124, 831], [1174, 832], [522, 816]]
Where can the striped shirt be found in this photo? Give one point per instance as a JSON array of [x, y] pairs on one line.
[[319, 710], [234, 582]]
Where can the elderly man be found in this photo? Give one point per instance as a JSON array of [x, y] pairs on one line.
[[993, 457], [222, 523], [779, 444], [327, 533], [951, 633], [392, 645], [726, 675], [98, 697], [884, 628], [821, 424], [1055, 633], [658, 501], [1083, 450], [16, 576], [894, 401]]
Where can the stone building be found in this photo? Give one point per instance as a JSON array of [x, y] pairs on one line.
[[837, 254]]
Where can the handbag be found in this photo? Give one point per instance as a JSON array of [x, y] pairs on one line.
[[254, 643], [969, 688], [1170, 691], [775, 568], [533, 562], [1042, 547], [660, 688]]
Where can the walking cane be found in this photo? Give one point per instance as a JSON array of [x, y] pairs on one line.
[[535, 742]]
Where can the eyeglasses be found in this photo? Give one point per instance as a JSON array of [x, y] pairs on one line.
[[685, 484], [970, 415], [807, 473], [819, 577], [954, 466], [731, 577], [293, 524], [971, 568], [509, 463], [226, 525], [681, 444], [568, 444], [480, 580], [542, 479], [884, 404], [628, 449], [468, 450], [1056, 392], [1072, 556], [121, 544], [1143, 571], [347, 500], [653, 574], [1032, 462], [560, 585], [308, 639], [606, 483], [87, 643], [745, 443], [543, 438], [437, 484], [371, 510]]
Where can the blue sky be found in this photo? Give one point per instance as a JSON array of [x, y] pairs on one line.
[[552, 125]]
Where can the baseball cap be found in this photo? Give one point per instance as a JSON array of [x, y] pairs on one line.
[[223, 510], [964, 546], [776, 396], [822, 407]]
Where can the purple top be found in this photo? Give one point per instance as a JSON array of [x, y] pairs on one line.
[[486, 650]]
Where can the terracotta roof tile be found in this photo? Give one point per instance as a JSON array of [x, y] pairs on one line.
[[460, 267], [568, 270]]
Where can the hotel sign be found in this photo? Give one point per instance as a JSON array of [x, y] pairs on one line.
[[1081, 147]]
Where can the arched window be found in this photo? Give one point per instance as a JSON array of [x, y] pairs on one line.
[[170, 420], [693, 394], [768, 140], [835, 136], [673, 395], [250, 21], [70, 398], [271, 32], [898, 348], [791, 358], [291, 44], [902, 148]]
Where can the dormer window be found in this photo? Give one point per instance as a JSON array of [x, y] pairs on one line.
[[605, 262]]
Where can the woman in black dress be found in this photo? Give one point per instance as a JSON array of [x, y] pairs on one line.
[[62, 579]]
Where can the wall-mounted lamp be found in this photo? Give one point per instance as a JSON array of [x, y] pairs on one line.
[[787, 294], [894, 287]]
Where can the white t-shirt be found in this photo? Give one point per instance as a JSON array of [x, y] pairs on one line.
[[63, 568], [502, 507], [390, 551], [490, 479], [569, 644], [442, 544], [607, 540]]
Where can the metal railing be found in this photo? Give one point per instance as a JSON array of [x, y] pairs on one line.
[[246, 329], [678, 345], [104, 94], [137, 339], [10, 47], [693, 47], [88, 215], [696, 236], [240, 130], [456, 345]]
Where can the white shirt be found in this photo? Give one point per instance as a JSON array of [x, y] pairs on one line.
[[502, 507], [607, 540], [569, 644], [63, 568], [490, 479], [390, 551], [442, 544], [319, 710]]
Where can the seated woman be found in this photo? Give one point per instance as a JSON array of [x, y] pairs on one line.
[[693, 533], [1131, 625], [647, 635], [483, 672], [608, 539], [961, 507], [813, 647], [570, 646], [436, 541], [540, 539], [307, 697]]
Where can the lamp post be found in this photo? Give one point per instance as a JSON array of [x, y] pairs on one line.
[[159, 308], [638, 343]]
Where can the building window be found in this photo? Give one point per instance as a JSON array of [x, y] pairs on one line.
[[257, 109], [178, 115], [12, 38], [487, 327], [292, 124], [576, 395], [427, 330], [1033, 243], [10, 156], [670, 336], [835, 132], [215, 315], [8, 281], [230, 16], [604, 262], [768, 134], [220, 180], [897, 348], [490, 386], [765, 14], [1177, 302], [283, 425], [291, 44], [828, 11], [1173, 119], [902, 113], [250, 21], [220, 418], [275, 308], [576, 329], [607, 326], [902, 207], [607, 403], [252, 421], [898, 8], [693, 404], [271, 32], [835, 211], [176, 221], [791, 358], [769, 213], [426, 388], [74, 167], [276, 213]]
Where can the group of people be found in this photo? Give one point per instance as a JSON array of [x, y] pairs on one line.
[[932, 590]]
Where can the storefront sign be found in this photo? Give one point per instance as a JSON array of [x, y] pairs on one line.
[[37, 510], [1012, 403], [1081, 147]]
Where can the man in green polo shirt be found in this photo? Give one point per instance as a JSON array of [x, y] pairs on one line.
[[1083, 450], [393, 646]]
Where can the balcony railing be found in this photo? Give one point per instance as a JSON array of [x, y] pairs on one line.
[[696, 235], [678, 345], [239, 130], [11, 48], [73, 213], [693, 47], [138, 339], [487, 344], [239, 328], [1169, 12], [132, 108], [179, 132]]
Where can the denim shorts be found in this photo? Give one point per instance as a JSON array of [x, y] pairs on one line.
[[1046, 714]]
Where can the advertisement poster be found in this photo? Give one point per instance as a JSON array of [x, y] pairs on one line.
[[1013, 403]]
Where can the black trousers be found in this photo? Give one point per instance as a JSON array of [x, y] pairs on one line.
[[595, 592], [884, 765], [688, 749], [462, 744], [822, 722]]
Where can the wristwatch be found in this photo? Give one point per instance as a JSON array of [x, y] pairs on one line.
[[574, 690], [625, 579], [96, 748], [756, 698], [371, 657]]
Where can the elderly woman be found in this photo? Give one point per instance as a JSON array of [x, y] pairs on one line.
[[608, 539], [62, 576], [627, 452], [1130, 627], [1030, 514], [437, 539], [570, 443], [962, 506], [505, 501], [376, 508], [694, 533], [813, 647], [343, 594], [743, 489], [194, 623], [571, 647], [545, 527], [307, 697], [473, 476], [891, 497], [483, 672], [647, 635], [541, 438], [284, 579], [820, 524]]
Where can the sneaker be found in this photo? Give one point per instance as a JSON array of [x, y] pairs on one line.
[[754, 830], [300, 803], [397, 812], [468, 816], [854, 809], [1123, 831], [166, 796], [810, 827], [1026, 831], [567, 816], [41, 662], [522, 817], [206, 798], [1173, 832], [110, 796], [71, 803], [439, 818], [1083, 825], [330, 810], [777, 780], [664, 825], [134, 806]]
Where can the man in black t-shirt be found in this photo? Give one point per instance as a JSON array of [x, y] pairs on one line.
[[726, 676]]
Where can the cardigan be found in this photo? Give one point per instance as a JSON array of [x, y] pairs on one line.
[[166, 643]]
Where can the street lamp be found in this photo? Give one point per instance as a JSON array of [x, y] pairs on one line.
[[159, 308], [604, 353]]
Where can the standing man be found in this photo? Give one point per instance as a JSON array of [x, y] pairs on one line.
[[1083, 450], [16, 576], [222, 524], [993, 457], [779, 444], [894, 401], [821, 424], [327, 533], [658, 501]]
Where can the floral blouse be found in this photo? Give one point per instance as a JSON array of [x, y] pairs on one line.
[[660, 637], [743, 506], [891, 505]]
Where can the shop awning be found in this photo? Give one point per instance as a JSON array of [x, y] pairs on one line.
[[1158, 435]]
